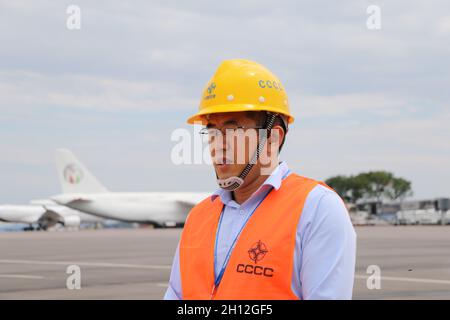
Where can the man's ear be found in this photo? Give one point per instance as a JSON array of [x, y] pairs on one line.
[[276, 135]]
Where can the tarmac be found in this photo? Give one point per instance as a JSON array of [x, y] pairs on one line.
[[414, 262]]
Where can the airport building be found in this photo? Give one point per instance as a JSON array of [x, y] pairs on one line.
[[429, 211]]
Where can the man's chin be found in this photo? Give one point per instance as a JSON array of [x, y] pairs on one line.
[[225, 171]]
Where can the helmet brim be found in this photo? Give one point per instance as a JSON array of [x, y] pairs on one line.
[[199, 117]]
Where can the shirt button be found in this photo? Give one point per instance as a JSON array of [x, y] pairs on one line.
[[241, 211]]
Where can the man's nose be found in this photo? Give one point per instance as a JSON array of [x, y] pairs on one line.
[[221, 142]]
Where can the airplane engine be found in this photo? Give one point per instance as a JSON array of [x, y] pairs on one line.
[[71, 221]]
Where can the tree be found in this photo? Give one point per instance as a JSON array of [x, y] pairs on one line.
[[399, 189], [360, 184], [378, 185], [341, 185]]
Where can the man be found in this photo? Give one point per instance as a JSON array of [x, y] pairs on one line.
[[267, 233]]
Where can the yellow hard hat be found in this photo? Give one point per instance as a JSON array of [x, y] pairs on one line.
[[242, 85]]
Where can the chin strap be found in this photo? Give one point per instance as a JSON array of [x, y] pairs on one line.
[[233, 183]]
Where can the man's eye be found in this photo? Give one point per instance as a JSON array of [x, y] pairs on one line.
[[213, 132], [231, 129]]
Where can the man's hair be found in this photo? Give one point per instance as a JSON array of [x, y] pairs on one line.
[[260, 118]]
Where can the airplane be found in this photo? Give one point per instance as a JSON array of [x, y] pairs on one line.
[[83, 192], [44, 214]]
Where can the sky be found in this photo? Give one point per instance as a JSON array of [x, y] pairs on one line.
[[115, 90]]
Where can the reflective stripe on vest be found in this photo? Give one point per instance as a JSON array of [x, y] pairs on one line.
[[261, 263]]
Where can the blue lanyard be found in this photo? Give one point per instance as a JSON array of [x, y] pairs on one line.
[[227, 257]]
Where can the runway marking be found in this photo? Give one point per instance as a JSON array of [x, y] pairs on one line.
[[20, 276], [420, 280], [164, 285], [86, 263]]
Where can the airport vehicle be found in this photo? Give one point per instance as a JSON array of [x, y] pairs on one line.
[[424, 212], [424, 216]]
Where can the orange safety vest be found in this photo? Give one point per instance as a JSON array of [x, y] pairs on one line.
[[261, 263]]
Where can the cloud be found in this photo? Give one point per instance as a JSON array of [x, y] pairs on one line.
[[28, 89], [118, 87]]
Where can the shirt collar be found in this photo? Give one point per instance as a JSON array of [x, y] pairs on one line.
[[274, 180]]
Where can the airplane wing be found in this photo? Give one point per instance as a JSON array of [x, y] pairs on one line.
[[185, 206], [56, 215], [49, 218], [65, 199]]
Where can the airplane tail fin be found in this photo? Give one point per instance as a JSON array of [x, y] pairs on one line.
[[74, 176]]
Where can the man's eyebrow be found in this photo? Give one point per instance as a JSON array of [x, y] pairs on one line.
[[230, 122], [212, 125]]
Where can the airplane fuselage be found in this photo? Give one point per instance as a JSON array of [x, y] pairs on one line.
[[150, 207]]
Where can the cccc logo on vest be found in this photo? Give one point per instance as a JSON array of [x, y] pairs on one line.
[[257, 252]]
